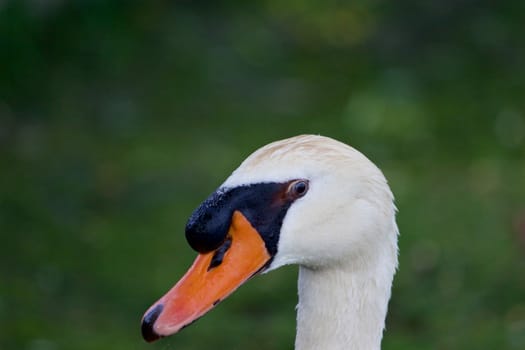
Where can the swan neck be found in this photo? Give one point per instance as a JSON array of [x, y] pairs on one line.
[[342, 309]]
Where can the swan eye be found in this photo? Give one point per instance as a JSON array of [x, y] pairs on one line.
[[298, 188]]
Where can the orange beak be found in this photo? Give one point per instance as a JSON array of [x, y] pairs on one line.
[[212, 277]]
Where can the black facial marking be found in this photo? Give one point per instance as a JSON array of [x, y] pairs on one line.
[[216, 260], [263, 204]]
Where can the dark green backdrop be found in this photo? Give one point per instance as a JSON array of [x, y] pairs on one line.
[[118, 117]]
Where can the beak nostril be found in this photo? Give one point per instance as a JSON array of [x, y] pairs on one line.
[[218, 256], [148, 333]]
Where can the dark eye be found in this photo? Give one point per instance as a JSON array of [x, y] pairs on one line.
[[298, 188]]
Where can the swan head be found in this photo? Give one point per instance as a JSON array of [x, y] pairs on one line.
[[307, 200]]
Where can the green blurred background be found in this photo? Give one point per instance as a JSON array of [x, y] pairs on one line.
[[117, 118]]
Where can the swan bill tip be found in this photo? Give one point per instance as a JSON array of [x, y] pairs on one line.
[[148, 333]]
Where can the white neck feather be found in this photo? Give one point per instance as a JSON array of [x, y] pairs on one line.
[[343, 308]]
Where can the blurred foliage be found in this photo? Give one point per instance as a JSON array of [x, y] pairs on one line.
[[118, 117]]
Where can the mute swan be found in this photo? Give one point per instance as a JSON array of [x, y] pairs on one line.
[[307, 200]]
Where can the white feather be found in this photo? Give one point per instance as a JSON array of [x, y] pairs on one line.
[[342, 233]]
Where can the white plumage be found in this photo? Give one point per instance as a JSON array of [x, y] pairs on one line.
[[342, 234]]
